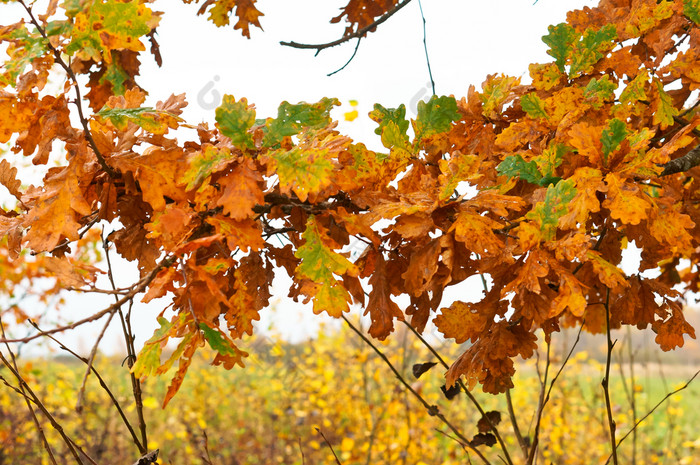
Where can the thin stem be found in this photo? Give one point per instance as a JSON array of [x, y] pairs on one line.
[[359, 39], [606, 380], [28, 393], [514, 422], [37, 424], [540, 409], [425, 47], [432, 409], [463, 386], [102, 382], [129, 340], [658, 404], [139, 287]]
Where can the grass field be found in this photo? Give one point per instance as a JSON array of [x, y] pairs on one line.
[[275, 410]]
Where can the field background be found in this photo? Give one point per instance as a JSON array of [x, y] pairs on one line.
[[275, 409]]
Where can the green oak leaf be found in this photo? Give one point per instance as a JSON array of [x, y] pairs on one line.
[[301, 170], [319, 262], [234, 119], [555, 205], [204, 163], [599, 91], [560, 40], [392, 126], [613, 135], [435, 116], [665, 111], [105, 25], [591, 48], [515, 165], [533, 106], [24, 48], [691, 8], [148, 360], [218, 342], [151, 120], [293, 118]]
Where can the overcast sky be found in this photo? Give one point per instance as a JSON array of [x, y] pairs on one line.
[[466, 40]]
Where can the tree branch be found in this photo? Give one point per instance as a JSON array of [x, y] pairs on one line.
[[139, 287], [355, 35], [686, 162]]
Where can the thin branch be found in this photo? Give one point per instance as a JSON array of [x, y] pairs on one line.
[[359, 39], [141, 285], [540, 406], [516, 428], [606, 380], [101, 380], [28, 392], [463, 386], [37, 424], [78, 99], [129, 342], [337, 460], [357, 34], [90, 362], [432, 409], [425, 47], [658, 404]]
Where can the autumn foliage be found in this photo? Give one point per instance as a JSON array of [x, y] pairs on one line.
[[539, 186]]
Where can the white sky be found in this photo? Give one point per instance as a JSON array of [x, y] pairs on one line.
[[467, 40]]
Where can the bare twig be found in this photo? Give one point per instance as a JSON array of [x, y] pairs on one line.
[[355, 35], [516, 429], [90, 361], [540, 407], [432, 409], [139, 287], [658, 404], [337, 460], [469, 394], [37, 424], [28, 393], [425, 47], [102, 382], [129, 342], [606, 380], [359, 39]]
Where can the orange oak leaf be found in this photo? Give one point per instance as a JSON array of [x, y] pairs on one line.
[[171, 226], [669, 333], [59, 209], [241, 190], [477, 232], [462, 321], [157, 171], [245, 234], [8, 178], [588, 182], [624, 200], [489, 362], [382, 310], [421, 268]]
